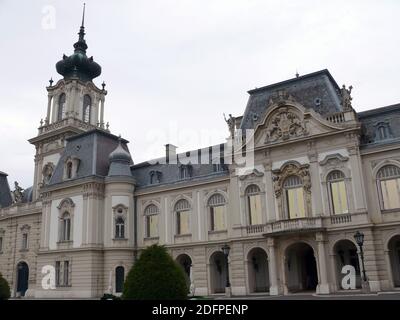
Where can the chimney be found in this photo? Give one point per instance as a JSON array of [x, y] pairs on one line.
[[170, 153]]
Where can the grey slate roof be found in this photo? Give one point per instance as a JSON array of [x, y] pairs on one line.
[[170, 172], [370, 121], [305, 89], [92, 148], [5, 193]]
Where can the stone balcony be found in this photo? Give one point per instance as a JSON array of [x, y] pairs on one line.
[[307, 224], [70, 121]]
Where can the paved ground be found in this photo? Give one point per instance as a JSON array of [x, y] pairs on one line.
[[309, 296]]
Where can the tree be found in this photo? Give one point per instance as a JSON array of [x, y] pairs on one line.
[[4, 289], [155, 276]]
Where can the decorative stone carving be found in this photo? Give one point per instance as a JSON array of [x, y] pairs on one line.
[[333, 160], [17, 194], [253, 174], [284, 125], [47, 172], [346, 98], [289, 169], [280, 97], [231, 124]]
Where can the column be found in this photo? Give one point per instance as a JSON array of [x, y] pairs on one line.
[[323, 284], [49, 97], [55, 110], [358, 183], [275, 288], [316, 194], [102, 113]]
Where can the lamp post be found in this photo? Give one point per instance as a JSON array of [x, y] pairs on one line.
[[359, 237], [226, 249]]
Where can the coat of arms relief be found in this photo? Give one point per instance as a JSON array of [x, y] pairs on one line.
[[284, 124]]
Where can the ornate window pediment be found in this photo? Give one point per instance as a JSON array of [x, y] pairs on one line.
[[292, 174], [333, 159], [284, 124], [67, 204], [251, 174]]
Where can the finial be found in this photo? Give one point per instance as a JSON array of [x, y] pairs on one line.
[[107, 125], [297, 74], [83, 15], [103, 85], [51, 81]]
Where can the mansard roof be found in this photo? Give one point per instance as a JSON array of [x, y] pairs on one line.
[[317, 90], [169, 173], [387, 117], [92, 150]]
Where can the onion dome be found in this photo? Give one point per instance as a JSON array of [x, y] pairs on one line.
[[78, 65], [120, 161], [120, 154]]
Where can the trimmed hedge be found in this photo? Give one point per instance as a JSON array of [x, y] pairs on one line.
[[155, 276], [4, 289]]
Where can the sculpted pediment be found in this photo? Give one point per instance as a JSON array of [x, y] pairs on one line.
[[289, 120]]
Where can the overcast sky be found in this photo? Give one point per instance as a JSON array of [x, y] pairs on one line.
[[172, 68]]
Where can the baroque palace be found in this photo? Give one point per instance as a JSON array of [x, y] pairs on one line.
[[320, 172]]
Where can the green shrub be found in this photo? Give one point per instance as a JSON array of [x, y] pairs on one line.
[[4, 289], [155, 276]]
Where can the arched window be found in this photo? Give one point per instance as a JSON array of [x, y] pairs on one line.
[[61, 107], [119, 228], [65, 227], [294, 197], [382, 131], [217, 212], [388, 179], [151, 217], [337, 192], [87, 105], [119, 279], [69, 170], [253, 195], [182, 211]]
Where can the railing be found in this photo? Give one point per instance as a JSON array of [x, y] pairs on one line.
[[69, 121], [336, 117], [294, 225], [345, 218], [258, 228]]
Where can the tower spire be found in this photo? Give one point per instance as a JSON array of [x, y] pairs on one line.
[[81, 44]]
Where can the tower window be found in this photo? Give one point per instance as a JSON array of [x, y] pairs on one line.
[[61, 107], [87, 105]]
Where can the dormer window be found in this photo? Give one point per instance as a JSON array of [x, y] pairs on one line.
[[185, 171], [71, 168], [87, 105], [155, 177], [382, 131], [61, 107]]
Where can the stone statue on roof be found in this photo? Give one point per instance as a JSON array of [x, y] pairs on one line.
[[346, 98], [231, 124], [17, 194]]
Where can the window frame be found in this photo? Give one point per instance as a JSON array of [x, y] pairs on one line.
[[289, 190], [178, 211], [221, 204], [61, 107], [256, 192], [148, 215], [87, 108], [329, 182], [379, 180]]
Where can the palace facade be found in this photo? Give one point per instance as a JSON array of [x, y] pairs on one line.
[[320, 172]]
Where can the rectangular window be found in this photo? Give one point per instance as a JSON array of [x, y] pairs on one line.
[[255, 209], [66, 273], [390, 193], [25, 241], [183, 222], [58, 273], [339, 197], [152, 225], [217, 218], [295, 203]]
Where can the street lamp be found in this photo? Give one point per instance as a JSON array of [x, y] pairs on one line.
[[226, 249], [359, 237]]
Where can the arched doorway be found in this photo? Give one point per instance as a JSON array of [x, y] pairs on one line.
[[217, 272], [186, 263], [301, 268], [22, 278], [346, 254], [258, 270], [394, 254]]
